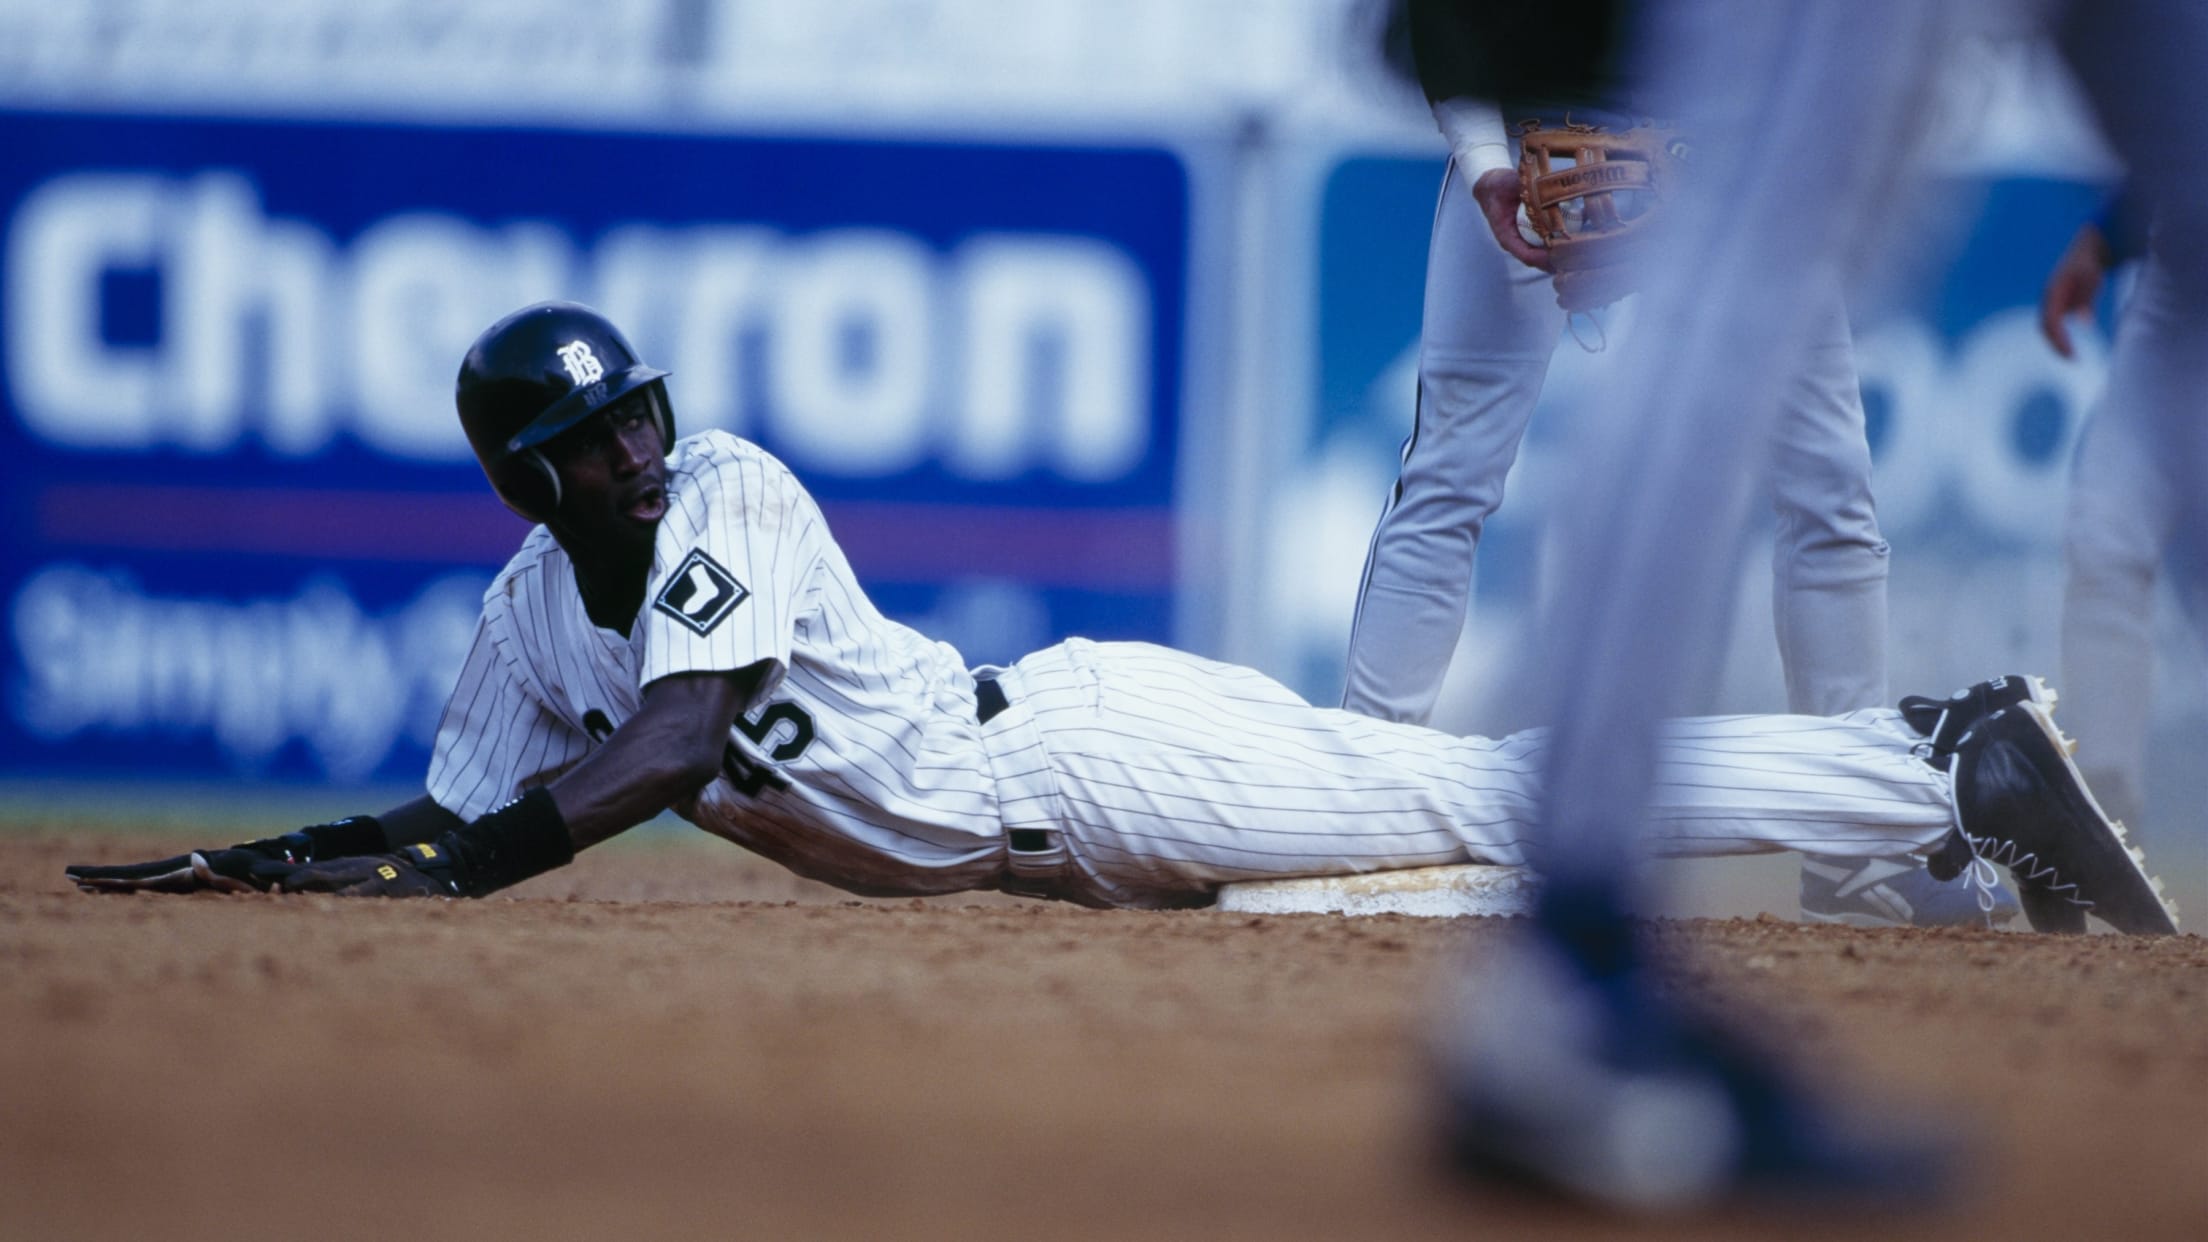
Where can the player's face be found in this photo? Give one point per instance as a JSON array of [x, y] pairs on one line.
[[613, 475]]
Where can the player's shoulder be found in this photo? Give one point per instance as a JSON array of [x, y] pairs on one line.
[[713, 469], [525, 573], [714, 449]]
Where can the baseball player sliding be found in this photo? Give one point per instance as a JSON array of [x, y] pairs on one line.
[[683, 631]]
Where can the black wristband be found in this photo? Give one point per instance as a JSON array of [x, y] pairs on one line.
[[525, 837], [348, 837]]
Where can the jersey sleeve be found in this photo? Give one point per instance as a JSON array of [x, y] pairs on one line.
[[1477, 138], [731, 566], [496, 740]]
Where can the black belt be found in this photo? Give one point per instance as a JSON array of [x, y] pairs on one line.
[[989, 699]]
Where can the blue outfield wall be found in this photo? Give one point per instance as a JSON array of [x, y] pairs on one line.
[[243, 535]]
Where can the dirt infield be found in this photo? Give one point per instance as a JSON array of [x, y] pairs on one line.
[[679, 1042]]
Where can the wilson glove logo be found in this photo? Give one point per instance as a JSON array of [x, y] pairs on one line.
[[700, 593]]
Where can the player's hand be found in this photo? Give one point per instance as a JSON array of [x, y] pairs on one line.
[[252, 866], [239, 869], [416, 871], [1497, 194], [2073, 286]]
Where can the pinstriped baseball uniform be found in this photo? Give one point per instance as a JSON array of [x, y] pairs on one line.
[[1115, 773], [1167, 774], [859, 765]]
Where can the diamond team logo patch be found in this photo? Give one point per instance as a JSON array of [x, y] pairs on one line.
[[700, 593]]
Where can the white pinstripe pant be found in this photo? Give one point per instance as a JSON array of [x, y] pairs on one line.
[[1164, 775]]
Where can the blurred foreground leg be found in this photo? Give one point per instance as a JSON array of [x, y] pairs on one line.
[[1577, 1074], [1574, 1070]]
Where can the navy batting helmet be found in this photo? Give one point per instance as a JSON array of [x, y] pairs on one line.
[[536, 373]]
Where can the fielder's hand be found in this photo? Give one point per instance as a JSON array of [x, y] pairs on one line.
[[252, 866], [2073, 286], [415, 871], [1497, 194]]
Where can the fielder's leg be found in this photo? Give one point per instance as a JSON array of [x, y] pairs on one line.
[[2114, 538], [1489, 327], [1828, 559], [1828, 605], [1780, 208], [2139, 62]]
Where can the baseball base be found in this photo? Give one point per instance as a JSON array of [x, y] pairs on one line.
[[1427, 892]]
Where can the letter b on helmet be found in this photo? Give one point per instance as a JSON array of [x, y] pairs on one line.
[[534, 374]]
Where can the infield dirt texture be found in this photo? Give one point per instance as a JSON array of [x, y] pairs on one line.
[[677, 1041]]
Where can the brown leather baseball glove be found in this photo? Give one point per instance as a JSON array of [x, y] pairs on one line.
[[1596, 197]]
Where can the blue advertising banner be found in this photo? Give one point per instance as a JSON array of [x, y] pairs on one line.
[[244, 534]]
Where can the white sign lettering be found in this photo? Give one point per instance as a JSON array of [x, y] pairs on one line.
[[877, 353], [102, 655]]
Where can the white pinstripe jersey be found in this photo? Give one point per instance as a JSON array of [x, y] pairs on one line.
[[859, 763], [1151, 776]]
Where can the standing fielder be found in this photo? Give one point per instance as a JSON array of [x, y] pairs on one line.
[[1571, 1066], [1489, 327], [2121, 524], [683, 631]]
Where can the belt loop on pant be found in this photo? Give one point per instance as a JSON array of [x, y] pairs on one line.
[[1038, 858], [989, 699], [1036, 864]]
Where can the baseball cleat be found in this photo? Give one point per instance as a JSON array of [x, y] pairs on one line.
[[1944, 721], [2020, 802], [1596, 1086], [1899, 892]]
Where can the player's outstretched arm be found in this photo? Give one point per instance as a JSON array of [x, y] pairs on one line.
[[663, 754], [658, 757]]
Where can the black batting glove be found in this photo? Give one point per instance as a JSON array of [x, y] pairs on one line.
[[525, 837], [422, 870], [251, 866]]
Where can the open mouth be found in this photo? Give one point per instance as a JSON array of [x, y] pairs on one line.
[[648, 505]]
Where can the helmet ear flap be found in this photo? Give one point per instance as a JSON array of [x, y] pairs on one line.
[[666, 411], [551, 476], [529, 485]]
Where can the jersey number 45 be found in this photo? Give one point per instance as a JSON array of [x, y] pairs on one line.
[[749, 775]]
